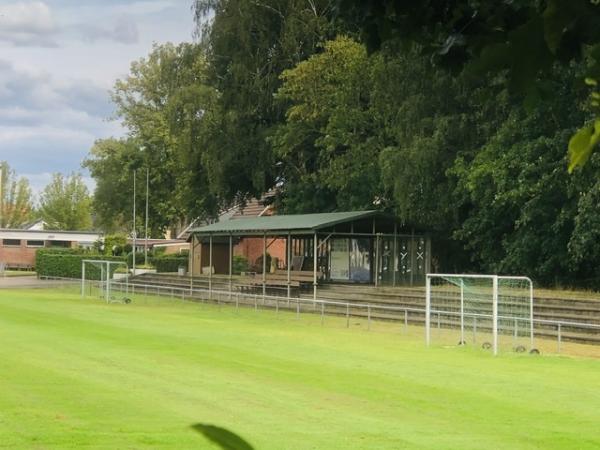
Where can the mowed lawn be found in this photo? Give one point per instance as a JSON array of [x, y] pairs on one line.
[[82, 374]]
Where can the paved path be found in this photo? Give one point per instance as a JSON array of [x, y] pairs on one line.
[[27, 282]]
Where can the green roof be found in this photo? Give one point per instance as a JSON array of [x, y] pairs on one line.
[[292, 222]]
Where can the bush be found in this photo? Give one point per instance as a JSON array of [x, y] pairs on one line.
[[240, 264], [139, 259], [65, 264], [170, 263]]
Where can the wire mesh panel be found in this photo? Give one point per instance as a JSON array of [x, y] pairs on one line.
[[485, 310], [515, 313]]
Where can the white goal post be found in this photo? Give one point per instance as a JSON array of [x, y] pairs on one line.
[[497, 309], [107, 269]]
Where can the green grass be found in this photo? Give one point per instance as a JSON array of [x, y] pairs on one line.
[[77, 373]]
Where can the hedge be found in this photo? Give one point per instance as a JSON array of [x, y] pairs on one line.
[[49, 263], [170, 263]]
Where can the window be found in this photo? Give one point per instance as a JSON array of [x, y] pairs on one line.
[[11, 242], [35, 243]]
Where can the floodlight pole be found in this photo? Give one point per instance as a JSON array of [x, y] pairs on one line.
[[146, 227], [134, 232]]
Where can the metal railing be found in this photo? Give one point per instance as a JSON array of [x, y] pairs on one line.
[[562, 330]]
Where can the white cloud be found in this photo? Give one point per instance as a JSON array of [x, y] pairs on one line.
[[124, 31], [27, 24]]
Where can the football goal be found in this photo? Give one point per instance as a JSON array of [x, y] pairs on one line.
[[493, 311], [96, 278]]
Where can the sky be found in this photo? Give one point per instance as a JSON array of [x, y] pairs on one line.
[[58, 61]]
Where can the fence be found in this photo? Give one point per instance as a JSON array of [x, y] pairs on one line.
[[546, 330]]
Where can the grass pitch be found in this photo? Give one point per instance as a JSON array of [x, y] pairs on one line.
[[79, 373]]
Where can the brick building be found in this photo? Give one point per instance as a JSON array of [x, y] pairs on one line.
[[18, 247]]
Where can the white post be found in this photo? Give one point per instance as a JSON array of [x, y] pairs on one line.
[[495, 314], [230, 264], [427, 310], [107, 281], [462, 311], [83, 278], [531, 314], [394, 254], [264, 267], [134, 232], [210, 252], [315, 262], [191, 263], [289, 264], [376, 258], [146, 227]]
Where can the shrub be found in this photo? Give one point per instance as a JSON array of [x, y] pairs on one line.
[[170, 263], [51, 263], [240, 264], [139, 259]]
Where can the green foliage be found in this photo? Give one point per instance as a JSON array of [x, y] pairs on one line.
[[114, 244], [139, 258], [65, 203], [248, 45], [524, 39], [240, 264], [16, 204], [170, 263], [67, 264]]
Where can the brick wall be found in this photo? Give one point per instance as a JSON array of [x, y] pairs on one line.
[[17, 256]]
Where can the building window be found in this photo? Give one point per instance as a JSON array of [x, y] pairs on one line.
[[35, 243], [11, 242], [62, 244]]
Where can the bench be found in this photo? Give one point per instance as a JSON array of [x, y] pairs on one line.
[[277, 280]]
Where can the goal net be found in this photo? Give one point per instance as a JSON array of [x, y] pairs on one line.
[[98, 280], [493, 311]]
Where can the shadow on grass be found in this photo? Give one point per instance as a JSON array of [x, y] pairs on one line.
[[224, 438]]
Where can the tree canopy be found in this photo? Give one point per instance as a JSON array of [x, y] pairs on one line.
[[65, 203], [454, 116]]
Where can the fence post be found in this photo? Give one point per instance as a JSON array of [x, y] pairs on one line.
[[559, 335], [322, 312], [298, 308], [406, 320], [474, 329], [276, 305], [347, 315]]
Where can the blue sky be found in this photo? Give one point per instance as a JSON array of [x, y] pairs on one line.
[[58, 61]]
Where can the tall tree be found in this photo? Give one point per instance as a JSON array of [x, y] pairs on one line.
[[248, 45], [16, 204], [65, 203]]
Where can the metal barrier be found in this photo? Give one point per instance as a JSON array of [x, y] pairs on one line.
[[368, 311]]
